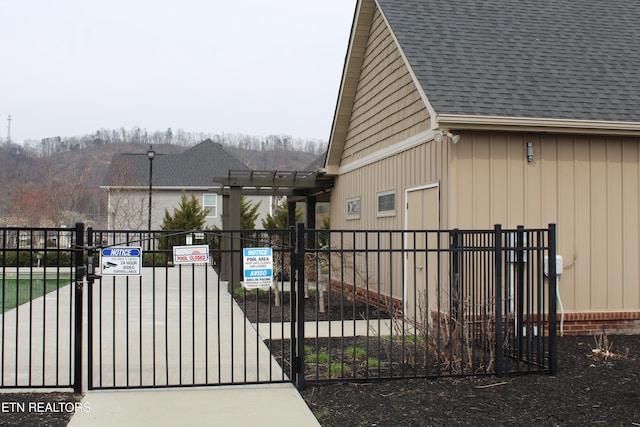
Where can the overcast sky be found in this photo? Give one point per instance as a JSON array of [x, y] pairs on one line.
[[258, 67]]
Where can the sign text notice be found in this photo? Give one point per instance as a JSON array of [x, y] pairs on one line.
[[258, 267]]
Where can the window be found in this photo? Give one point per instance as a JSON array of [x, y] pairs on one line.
[[387, 203], [210, 201], [353, 208]]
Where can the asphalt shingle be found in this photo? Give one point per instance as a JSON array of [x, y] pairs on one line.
[[194, 168], [566, 59]]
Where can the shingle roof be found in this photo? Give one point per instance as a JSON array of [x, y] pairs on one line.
[[194, 168], [565, 59], [318, 163]]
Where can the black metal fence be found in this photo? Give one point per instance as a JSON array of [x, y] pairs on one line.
[[344, 305], [37, 341], [427, 303]]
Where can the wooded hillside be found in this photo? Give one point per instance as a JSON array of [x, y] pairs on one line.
[[57, 182]]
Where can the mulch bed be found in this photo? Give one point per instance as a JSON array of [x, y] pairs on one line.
[[37, 409], [260, 307], [588, 390]]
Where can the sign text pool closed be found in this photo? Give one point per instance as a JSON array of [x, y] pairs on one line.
[[258, 267], [192, 254]]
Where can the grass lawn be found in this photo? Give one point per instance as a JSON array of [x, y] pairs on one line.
[[16, 292]]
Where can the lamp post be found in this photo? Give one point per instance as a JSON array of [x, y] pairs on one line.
[[150, 154]]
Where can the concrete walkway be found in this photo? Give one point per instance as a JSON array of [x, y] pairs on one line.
[[276, 405], [171, 327]]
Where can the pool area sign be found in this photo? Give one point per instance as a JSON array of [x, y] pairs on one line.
[[258, 267]]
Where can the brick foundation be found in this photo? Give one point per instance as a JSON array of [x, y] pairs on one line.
[[384, 303], [588, 323], [592, 323]]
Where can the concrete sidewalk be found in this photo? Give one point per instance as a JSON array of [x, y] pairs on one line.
[[157, 309], [251, 405]]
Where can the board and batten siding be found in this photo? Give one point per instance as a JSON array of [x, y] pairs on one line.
[[387, 107], [588, 185], [424, 163]]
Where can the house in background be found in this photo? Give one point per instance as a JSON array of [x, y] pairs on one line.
[[127, 185], [470, 114]]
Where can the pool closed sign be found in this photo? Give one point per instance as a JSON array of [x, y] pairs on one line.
[[258, 267], [192, 254]]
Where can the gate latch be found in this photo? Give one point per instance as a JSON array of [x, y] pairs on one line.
[[91, 268]]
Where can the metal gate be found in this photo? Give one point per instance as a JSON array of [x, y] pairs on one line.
[[179, 325], [39, 340]]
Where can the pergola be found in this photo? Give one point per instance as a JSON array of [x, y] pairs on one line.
[[298, 186]]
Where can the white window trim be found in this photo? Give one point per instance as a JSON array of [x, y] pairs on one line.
[[215, 211]]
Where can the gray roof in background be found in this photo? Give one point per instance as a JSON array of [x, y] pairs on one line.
[[565, 59], [318, 163], [194, 168]]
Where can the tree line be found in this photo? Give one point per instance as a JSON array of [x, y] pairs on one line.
[[58, 144]]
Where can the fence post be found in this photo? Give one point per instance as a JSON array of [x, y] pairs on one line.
[[79, 280], [300, 252], [455, 282], [553, 338], [520, 292], [498, 303], [91, 274]]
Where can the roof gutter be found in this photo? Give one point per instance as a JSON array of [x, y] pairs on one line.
[[525, 124]]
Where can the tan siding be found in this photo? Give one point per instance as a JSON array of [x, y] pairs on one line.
[[598, 208], [387, 107], [423, 164], [463, 192], [587, 185], [532, 188], [630, 222], [481, 187], [566, 217], [516, 176], [615, 208], [499, 179], [548, 191], [583, 238]]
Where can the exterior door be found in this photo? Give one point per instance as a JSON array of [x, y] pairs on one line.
[[422, 267]]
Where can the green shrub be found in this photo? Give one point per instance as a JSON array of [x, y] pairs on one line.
[[356, 352], [318, 358], [372, 362], [337, 369]]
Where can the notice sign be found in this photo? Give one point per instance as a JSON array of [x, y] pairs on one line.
[[193, 254], [124, 261], [258, 267]]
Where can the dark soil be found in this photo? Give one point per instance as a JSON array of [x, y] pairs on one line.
[[260, 307], [587, 391], [590, 388], [37, 409]]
